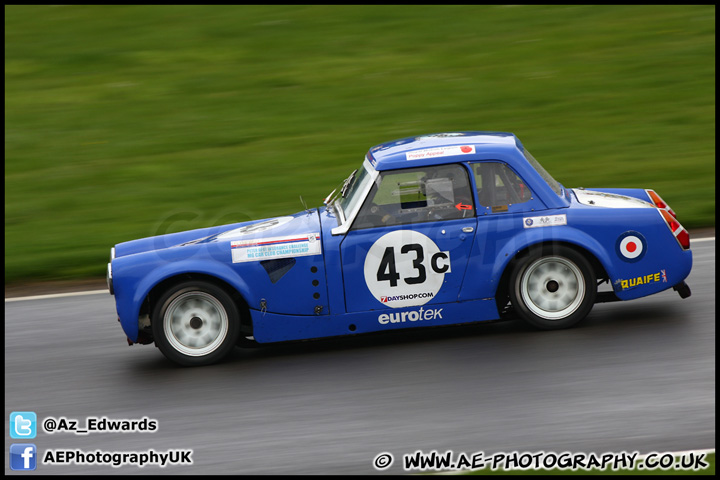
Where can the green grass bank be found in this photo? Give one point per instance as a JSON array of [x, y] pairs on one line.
[[127, 121]]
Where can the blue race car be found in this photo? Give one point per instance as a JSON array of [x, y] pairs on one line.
[[433, 230]]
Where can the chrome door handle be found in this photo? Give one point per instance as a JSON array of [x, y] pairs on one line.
[[467, 229]]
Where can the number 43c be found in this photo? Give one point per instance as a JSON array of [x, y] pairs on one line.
[[388, 271]]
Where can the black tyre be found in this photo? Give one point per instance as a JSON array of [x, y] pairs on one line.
[[195, 323], [553, 287]]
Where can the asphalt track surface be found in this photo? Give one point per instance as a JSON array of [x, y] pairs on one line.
[[634, 376]]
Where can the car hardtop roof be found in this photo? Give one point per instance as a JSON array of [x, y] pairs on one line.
[[433, 149]]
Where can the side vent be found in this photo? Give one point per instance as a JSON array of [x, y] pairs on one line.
[[276, 269]]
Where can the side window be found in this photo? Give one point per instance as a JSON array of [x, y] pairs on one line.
[[417, 195], [498, 186]]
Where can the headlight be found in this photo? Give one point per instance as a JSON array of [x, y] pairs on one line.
[[109, 272]]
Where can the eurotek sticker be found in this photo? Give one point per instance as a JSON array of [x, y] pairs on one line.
[[411, 316], [440, 152], [545, 221], [275, 247], [642, 280]]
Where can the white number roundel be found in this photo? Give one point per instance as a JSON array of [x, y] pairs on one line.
[[405, 268]]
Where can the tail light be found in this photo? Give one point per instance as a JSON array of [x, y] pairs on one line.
[[659, 202], [682, 235]]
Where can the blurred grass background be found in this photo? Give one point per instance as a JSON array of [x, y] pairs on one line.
[[128, 121]]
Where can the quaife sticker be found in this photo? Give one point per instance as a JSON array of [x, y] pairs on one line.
[[275, 247], [642, 280], [405, 268]]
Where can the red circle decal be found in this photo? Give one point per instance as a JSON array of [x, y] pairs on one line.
[[631, 246], [465, 149]]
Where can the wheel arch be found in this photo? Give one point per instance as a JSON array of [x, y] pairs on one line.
[[148, 304], [502, 296]]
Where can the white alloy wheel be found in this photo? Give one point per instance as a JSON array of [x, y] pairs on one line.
[[552, 288], [196, 323]]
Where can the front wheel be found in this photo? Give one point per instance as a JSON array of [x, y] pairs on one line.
[[553, 287], [195, 323]]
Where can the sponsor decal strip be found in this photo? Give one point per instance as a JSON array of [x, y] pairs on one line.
[[276, 247], [440, 152], [250, 243], [544, 221]]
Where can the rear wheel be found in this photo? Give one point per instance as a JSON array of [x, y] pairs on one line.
[[195, 323], [553, 287]]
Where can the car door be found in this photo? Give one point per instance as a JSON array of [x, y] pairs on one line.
[[410, 242]]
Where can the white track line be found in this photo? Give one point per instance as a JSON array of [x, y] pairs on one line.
[[57, 295], [95, 292]]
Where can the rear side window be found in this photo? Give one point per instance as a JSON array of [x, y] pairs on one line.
[[499, 187]]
